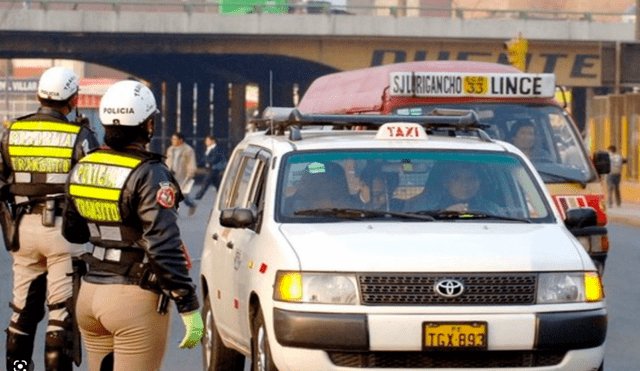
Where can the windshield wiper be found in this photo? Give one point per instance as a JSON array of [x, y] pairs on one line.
[[350, 213], [452, 214], [565, 178]]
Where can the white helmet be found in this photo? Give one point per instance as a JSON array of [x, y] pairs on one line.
[[127, 103], [58, 83]]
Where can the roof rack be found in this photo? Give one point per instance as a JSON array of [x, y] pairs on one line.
[[450, 121]]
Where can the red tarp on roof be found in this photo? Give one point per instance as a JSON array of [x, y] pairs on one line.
[[362, 90]]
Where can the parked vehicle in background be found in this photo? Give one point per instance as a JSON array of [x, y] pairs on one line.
[[417, 242], [504, 98]]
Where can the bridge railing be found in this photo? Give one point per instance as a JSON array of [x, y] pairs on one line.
[[311, 7]]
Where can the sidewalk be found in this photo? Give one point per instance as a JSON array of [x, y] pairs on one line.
[[629, 212]]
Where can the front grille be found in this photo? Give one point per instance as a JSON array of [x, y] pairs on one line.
[[411, 289], [451, 359]]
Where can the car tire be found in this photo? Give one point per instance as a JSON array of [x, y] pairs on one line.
[[261, 359], [216, 356]]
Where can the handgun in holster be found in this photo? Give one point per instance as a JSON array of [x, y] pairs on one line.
[[149, 281]]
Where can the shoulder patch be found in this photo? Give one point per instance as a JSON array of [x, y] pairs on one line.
[[166, 195]]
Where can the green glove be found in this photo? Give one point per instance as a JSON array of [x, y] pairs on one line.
[[194, 329]]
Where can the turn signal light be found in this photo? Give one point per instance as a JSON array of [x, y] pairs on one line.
[[290, 287], [593, 287]]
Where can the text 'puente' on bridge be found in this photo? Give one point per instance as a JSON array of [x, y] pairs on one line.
[[216, 55]]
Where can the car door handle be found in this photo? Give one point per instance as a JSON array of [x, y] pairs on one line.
[[230, 245], [215, 236]]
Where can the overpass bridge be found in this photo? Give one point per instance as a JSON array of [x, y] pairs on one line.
[[216, 55]]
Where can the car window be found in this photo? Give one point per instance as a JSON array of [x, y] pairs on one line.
[[255, 200], [241, 188], [229, 181], [411, 182]]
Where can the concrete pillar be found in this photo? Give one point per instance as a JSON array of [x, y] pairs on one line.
[[202, 115], [169, 112], [221, 113], [579, 107], [238, 122], [283, 94], [160, 132], [263, 95], [186, 112]]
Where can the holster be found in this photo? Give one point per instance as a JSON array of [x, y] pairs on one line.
[[79, 270], [149, 281], [10, 216]]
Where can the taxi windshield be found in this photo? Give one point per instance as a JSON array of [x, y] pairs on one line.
[[542, 131], [420, 185]]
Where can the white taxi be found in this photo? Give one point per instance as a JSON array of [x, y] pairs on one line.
[[413, 243]]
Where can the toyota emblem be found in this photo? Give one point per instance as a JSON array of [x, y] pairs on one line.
[[449, 288]]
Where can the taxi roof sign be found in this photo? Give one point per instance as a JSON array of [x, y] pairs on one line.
[[401, 131], [488, 85]]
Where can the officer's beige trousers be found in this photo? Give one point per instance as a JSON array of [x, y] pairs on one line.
[[122, 319], [43, 249]]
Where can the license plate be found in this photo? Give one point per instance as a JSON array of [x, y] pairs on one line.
[[455, 335]]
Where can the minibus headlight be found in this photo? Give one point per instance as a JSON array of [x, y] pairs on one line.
[[569, 287], [320, 288]]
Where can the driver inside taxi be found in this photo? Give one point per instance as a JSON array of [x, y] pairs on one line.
[[524, 136], [462, 185]]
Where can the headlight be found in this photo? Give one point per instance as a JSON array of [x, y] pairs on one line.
[[321, 288], [573, 287]]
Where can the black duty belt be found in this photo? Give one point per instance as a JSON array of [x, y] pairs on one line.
[[39, 207], [124, 262]]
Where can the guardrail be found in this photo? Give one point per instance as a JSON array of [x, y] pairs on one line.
[[312, 7]]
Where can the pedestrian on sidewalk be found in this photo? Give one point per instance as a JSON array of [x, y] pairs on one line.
[[214, 162], [181, 160], [613, 178]]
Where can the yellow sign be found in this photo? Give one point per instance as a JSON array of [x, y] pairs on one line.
[[476, 84]]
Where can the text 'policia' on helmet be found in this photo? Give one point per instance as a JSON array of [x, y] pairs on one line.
[[127, 103], [58, 83]]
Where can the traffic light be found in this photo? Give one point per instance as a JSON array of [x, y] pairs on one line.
[[517, 49]]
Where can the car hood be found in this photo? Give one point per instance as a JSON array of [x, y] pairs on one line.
[[434, 247]]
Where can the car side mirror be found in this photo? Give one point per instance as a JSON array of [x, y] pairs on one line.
[[237, 218], [581, 218], [602, 162]]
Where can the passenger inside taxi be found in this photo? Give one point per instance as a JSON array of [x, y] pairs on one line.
[[321, 186], [378, 189]]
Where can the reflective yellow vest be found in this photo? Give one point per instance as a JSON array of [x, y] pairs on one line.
[[96, 185], [40, 154]]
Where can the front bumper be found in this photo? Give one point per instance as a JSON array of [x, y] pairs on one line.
[[370, 341]]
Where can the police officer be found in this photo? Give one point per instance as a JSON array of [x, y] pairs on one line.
[[124, 201], [37, 152]]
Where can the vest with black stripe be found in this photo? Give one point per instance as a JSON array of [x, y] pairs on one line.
[[96, 186], [40, 152]]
